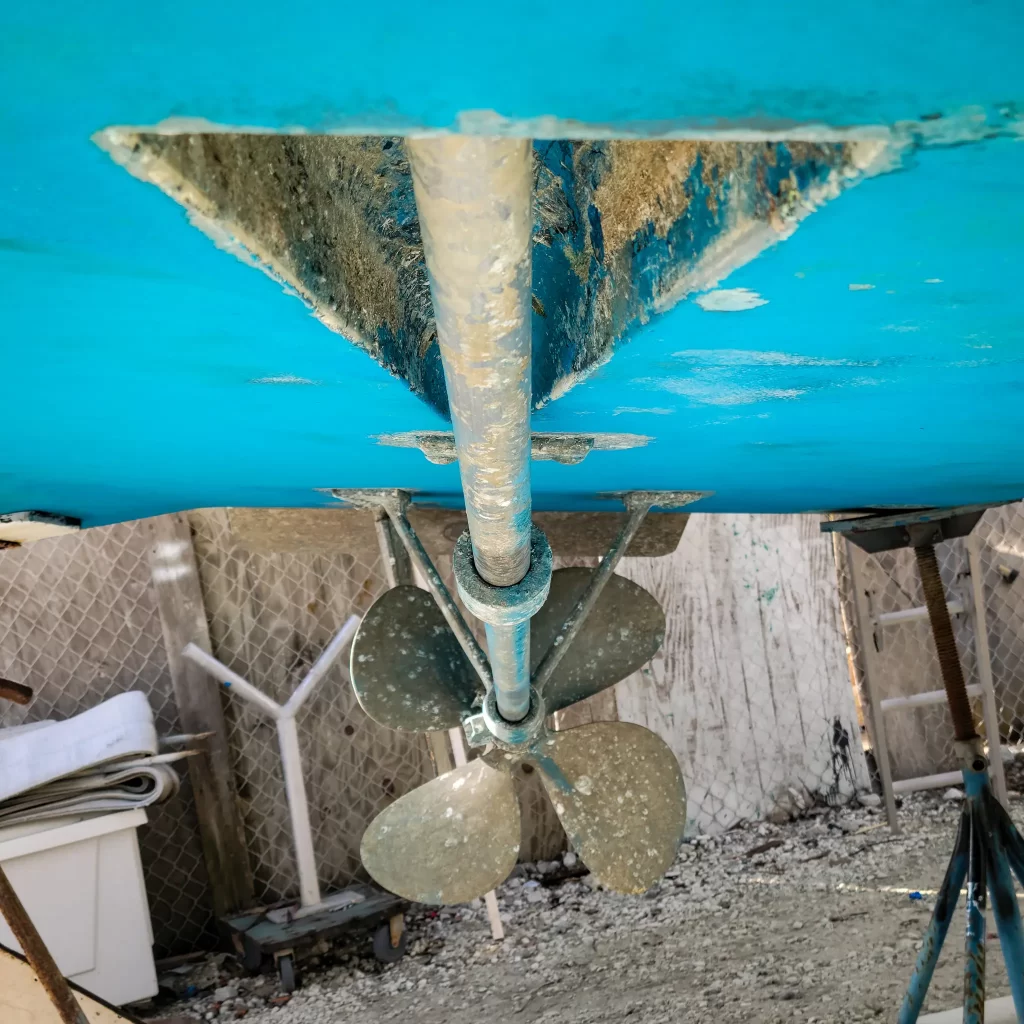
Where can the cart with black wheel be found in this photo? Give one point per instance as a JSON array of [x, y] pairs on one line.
[[280, 933]]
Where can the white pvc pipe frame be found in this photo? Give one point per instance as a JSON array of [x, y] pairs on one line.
[[288, 740]]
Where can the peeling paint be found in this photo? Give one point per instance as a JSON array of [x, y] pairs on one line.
[[730, 300], [971, 123], [331, 218], [623, 410], [568, 449], [284, 378], [622, 229], [742, 357], [724, 392]]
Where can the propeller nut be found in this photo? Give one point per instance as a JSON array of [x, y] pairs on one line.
[[514, 735], [504, 606], [475, 728]]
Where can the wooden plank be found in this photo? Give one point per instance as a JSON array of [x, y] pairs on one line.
[[752, 677], [440, 752], [182, 614], [334, 531], [23, 1000], [313, 531], [47, 973], [997, 1011]]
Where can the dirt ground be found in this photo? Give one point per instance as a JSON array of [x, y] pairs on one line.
[[822, 924]]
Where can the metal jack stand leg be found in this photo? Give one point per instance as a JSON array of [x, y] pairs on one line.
[[988, 850]]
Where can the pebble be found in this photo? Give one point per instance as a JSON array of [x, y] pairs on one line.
[[806, 929]]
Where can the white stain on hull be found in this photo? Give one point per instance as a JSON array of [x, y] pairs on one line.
[[284, 378], [719, 357], [725, 392], [730, 300], [623, 410]]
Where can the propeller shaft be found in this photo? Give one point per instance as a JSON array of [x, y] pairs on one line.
[[474, 197]]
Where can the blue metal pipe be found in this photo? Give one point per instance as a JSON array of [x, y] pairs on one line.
[[977, 890], [509, 647], [942, 915], [1006, 832], [1004, 898]]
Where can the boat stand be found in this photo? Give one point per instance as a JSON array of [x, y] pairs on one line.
[[988, 850]]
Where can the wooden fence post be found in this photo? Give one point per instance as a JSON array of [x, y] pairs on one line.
[[183, 616]]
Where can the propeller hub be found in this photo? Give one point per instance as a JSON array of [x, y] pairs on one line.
[[513, 735], [503, 606], [506, 613]]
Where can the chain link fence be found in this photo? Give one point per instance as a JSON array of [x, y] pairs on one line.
[[270, 617], [921, 738], [751, 688], [79, 624], [1001, 554]]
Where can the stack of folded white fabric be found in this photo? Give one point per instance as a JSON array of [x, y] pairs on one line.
[[103, 760]]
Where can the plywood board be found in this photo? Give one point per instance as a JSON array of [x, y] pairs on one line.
[[751, 688], [24, 1001]]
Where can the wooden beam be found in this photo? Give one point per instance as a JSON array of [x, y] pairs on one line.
[[183, 615]]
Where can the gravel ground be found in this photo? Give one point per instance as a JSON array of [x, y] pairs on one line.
[[811, 921]]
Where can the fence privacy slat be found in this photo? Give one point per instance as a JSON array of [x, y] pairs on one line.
[[183, 616], [751, 688], [79, 624]]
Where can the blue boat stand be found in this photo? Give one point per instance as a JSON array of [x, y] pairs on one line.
[[988, 852]]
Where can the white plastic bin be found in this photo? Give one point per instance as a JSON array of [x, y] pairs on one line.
[[81, 883]]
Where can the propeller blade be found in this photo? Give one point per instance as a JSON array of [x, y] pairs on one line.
[[449, 841], [619, 794], [408, 670], [623, 631]]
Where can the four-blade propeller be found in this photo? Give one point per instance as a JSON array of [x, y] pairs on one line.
[[616, 787]]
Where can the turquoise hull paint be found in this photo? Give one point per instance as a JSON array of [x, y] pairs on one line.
[[335, 66], [131, 343], [905, 393]]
